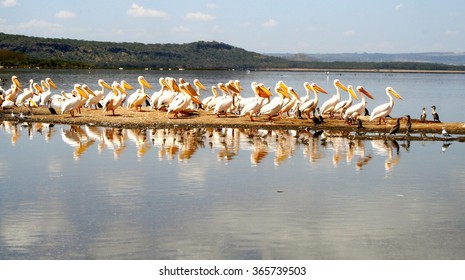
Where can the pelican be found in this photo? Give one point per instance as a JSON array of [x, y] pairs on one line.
[[356, 110], [291, 103], [380, 112], [168, 95], [226, 102], [98, 94], [88, 93], [199, 86], [70, 104], [274, 106], [343, 105], [21, 98], [254, 106], [328, 105], [45, 97], [183, 100], [210, 101], [12, 93], [310, 105], [156, 95], [138, 98], [114, 100]]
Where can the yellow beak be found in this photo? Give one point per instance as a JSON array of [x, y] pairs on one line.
[[144, 82], [341, 86], [351, 91], [394, 93], [199, 84], [51, 83]]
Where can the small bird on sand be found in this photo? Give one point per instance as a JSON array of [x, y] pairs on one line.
[[445, 133], [423, 115], [408, 127], [435, 114]]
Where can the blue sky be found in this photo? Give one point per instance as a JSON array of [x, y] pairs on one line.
[[264, 26]]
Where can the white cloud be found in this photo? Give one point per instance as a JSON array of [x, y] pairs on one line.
[[139, 11], [451, 33], [349, 33], [65, 14], [270, 23], [199, 17], [181, 29], [398, 7], [9, 3]]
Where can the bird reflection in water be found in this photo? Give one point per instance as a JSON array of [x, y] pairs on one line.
[[182, 143]]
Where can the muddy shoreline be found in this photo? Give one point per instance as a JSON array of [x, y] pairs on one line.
[[125, 118]]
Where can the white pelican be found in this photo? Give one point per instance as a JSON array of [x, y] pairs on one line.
[[12, 93], [343, 105], [98, 94], [294, 99], [28, 93], [199, 86], [310, 105], [224, 104], [210, 101], [85, 97], [276, 104], [356, 110], [156, 95], [70, 104], [45, 97], [168, 95], [380, 112], [138, 98], [254, 106], [183, 100], [115, 99], [328, 105]]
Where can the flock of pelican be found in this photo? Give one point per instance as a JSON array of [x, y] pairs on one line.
[[182, 97]]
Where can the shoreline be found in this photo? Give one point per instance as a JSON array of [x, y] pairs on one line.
[[129, 118]]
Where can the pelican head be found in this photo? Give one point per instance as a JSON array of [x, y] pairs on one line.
[[143, 82], [102, 83], [16, 82], [317, 88], [365, 92], [50, 83], [350, 90], [198, 84], [338, 84], [290, 90], [392, 92], [126, 85]]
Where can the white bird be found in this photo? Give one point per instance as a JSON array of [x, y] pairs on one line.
[[28, 93], [156, 95], [98, 94], [294, 99], [254, 106], [182, 101], [445, 133], [12, 92], [168, 95], [343, 105], [210, 101], [226, 103], [356, 110], [114, 100], [45, 97], [137, 99], [328, 105], [310, 105], [276, 104], [380, 112], [70, 104]]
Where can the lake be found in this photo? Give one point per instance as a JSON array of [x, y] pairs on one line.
[[87, 192]]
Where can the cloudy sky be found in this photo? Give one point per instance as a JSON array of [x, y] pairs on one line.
[[265, 26]]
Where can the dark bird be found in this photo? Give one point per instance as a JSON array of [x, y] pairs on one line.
[[408, 127], [319, 115], [367, 113], [395, 128], [52, 110], [315, 119], [423, 115], [435, 114], [360, 124]]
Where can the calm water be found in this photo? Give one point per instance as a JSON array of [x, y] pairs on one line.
[[79, 192]]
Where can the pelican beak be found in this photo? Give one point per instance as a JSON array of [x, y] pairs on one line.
[[283, 86], [292, 91], [88, 90], [82, 92], [214, 91], [38, 88], [126, 85], [174, 86], [232, 88], [237, 84], [352, 92], [364, 91], [394, 93], [281, 91], [341, 86], [199, 84], [262, 91], [52, 84], [16, 82], [318, 88], [106, 85], [189, 89], [145, 83]]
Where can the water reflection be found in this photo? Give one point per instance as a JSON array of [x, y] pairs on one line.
[[181, 143]]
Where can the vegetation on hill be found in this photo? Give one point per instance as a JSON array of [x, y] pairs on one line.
[[26, 51]]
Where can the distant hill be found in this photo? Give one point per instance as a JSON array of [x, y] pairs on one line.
[[198, 55], [449, 58], [27, 51]]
